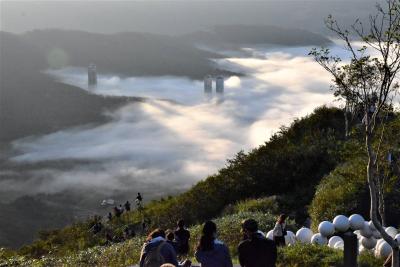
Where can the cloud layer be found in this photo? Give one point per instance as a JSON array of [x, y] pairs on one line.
[[178, 136]]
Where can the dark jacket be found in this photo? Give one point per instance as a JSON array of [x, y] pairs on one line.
[[167, 251], [257, 251], [182, 237], [174, 244], [217, 257]]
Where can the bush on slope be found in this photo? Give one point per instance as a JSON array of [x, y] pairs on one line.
[[345, 189]]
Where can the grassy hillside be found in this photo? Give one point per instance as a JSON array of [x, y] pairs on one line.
[[345, 189], [128, 252], [290, 165], [280, 176]]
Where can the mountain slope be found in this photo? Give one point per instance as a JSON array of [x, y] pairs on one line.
[[33, 103]]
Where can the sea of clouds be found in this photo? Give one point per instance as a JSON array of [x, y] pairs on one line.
[[178, 135]]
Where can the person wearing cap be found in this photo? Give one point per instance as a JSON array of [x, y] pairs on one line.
[[256, 250]]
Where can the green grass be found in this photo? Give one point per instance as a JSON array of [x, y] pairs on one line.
[[309, 255], [128, 252]]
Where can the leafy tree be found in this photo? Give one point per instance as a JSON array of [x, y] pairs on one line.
[[370, 80]]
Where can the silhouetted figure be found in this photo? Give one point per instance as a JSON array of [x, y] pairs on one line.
[[109, 237], [169, 234], [121, 209], [256, 250], [139, 200], [117, 212], [97, 227], [210, 251], [280, 231], [129, 232], [109, 216], [127, 206], [182, 237]]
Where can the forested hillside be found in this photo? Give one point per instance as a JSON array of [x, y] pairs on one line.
[[307, 167]]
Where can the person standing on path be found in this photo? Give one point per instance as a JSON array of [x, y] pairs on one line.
[[182, 237], [280, 231]]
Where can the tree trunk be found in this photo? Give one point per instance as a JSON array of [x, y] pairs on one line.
[[382, 212], [374, 195], [381, 207], [346, 122]]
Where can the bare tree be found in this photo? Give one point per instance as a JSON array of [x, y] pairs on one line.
[[368, 77]]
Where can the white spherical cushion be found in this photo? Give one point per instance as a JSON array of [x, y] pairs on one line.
[[326, 228], [319, 239], [304, 235], [341, 223], [356, 222], [333, 240]]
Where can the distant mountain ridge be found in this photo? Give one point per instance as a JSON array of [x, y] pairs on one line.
[[257, 34]]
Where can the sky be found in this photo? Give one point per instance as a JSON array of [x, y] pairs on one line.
[[175, 17]]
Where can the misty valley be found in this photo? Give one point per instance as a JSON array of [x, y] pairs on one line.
[[203, 133], [65, 147]]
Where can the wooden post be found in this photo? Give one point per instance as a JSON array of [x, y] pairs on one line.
[[350, 249]]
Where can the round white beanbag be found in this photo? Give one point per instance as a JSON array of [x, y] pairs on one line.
[[333, 240], [326, 228], [341, 223], [356, 222], [304, 235], [319, 239]]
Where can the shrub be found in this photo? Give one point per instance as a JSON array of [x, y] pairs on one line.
[[341, 192], [345, 191], [320, 256], [264, 205], [308, 255]]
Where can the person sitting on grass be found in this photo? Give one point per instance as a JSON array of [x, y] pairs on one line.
[[170, 239], [156, 251], [210, 251], [256, 250]]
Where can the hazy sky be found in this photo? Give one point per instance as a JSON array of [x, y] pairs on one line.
[[173, 17]]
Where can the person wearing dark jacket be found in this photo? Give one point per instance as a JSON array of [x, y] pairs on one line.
[[210, 251], [256, 250], [170, 239], [182, 237], [127, 206], [156, 240]]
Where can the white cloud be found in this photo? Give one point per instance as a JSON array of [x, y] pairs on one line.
[[181, 141]]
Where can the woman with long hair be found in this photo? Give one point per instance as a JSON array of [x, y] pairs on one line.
[[210, 251], [280, 231]]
